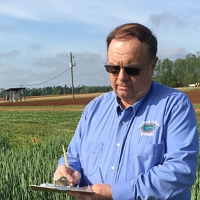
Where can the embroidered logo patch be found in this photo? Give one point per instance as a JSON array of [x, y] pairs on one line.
[[148, 128]]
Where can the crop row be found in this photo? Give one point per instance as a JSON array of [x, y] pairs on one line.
[[31, 144], [33, 165]]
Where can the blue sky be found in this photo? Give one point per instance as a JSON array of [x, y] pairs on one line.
[[37, 36]]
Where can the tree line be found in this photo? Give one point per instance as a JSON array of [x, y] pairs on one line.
[[178, 73], [59, 90]]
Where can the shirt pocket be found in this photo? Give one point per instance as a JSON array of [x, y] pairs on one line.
[[90, 157], [142, 157]]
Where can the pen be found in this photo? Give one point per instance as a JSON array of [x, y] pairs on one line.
[[65, 156]]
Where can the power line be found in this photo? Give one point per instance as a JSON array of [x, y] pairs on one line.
[[48, 80]]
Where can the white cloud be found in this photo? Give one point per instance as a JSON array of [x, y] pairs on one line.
[[48, 71], [9, 54], [6, 28], [36, 36], [35, 47], [167, 19], [172, 53], [16, 10], [50, 10], [97, 13]]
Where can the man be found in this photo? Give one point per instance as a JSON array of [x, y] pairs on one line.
[[139, 141]]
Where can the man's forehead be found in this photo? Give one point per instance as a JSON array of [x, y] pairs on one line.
[[127, 46], [127, 51]]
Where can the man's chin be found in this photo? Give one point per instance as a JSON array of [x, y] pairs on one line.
[[124, 90], [123, 94]]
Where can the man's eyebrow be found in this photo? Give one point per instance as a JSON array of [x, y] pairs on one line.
[[132, 62]]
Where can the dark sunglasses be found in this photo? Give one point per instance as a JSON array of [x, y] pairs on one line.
[[131, 71]]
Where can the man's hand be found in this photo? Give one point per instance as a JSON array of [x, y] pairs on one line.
[[72, 176], [101, 192]]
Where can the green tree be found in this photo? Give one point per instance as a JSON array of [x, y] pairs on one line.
[[192, 68], [164, 73], [179, 72]]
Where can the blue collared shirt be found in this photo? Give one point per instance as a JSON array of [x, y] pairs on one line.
[[147, 151]]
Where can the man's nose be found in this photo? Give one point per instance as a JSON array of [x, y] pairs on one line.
[[122, 75]]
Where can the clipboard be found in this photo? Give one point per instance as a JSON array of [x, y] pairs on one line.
[[48, 187]]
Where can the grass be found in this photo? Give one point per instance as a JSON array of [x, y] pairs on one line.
[[196, 105], [22, 162], [20, 127]]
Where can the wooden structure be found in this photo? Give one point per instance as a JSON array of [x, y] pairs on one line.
[[14, 94]]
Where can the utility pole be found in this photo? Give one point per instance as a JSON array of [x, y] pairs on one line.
[[71, 64]]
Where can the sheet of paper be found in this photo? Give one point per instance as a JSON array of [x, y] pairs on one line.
[[48, 187]]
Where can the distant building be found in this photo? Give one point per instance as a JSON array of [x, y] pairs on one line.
[[14, 94]]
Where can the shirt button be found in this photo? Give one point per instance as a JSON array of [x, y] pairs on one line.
[[118, 144], [112, 168], [123, 122]]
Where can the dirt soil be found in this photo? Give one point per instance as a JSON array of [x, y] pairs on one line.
[[194, 97], [51, 102]]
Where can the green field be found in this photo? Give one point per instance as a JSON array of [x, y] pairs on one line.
[[22, 162]]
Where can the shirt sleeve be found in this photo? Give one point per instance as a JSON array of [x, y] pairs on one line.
[[73, 152], [178, 171]]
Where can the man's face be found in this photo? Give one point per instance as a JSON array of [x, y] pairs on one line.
[[129, 53]]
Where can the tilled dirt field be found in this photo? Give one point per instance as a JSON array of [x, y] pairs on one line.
[[194, 97], [52, 102]]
